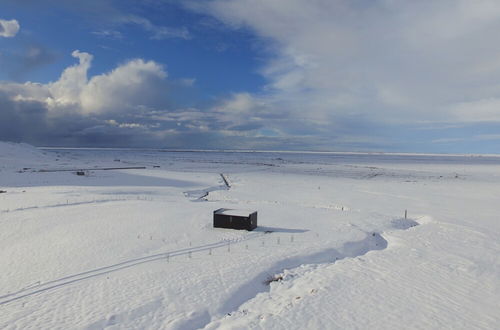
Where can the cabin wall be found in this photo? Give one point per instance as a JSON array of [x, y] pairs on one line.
[[235, 222]]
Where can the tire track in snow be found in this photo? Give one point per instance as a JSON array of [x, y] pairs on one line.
[[61, 282], [95, 201]]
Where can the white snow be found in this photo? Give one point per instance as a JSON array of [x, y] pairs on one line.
[[237, 212], [136, 248]]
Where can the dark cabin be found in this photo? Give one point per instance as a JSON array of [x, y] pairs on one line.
[[235, 219]]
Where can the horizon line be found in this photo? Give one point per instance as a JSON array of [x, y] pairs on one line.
[[279, 151]]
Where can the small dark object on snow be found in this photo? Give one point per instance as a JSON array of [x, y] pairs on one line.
[[274, 278], [80, 173], [235, 219], [3, 191]]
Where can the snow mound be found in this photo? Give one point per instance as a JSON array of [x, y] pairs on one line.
[[12, 149], [19, 154]]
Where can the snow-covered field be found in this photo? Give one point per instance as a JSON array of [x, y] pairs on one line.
[[135, 248]]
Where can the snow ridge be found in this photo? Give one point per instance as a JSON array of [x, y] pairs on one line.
[[252, 301]]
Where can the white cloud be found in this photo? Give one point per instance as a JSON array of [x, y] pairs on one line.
[[111, 34], [132, 84], [9, 29], [188, 82], [384, 60], [157, 32], [66, 91], [473, 138], [484, 110], [487, 137], [240, 103], [244, 112], [127, 88], [25, 92], [114, 123], [128, 106]]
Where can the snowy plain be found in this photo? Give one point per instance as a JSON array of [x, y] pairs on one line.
[[135, 248]]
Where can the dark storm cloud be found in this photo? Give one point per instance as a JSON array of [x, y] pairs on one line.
[[20, 121], [31, 122]]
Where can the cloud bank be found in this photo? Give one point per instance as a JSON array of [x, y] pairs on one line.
[[403, 60], [134, 84], [133, 105], [345, 69], [77, 109], [340, 75]]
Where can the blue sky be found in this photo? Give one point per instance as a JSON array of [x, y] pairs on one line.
[[381, 75], [205, 52]]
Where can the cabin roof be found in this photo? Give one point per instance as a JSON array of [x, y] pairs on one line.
[[235, 212]]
